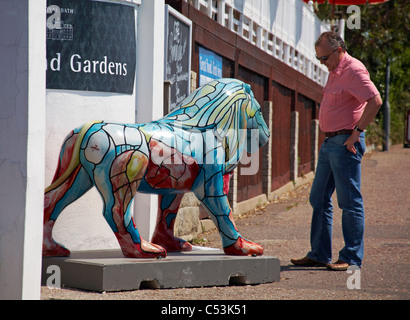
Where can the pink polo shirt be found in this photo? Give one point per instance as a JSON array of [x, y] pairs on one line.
[[345, 95]]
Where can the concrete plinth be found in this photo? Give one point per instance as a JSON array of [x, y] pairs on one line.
[[110, 271]]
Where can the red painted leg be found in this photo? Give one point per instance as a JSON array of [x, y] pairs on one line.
[[51, 198], [164, 231], [50, 247], [126, 173], [56, 194], [244, 247], [241, 247], [226, 179], [144, 249]]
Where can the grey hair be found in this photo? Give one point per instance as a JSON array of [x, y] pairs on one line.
[[335, 41]]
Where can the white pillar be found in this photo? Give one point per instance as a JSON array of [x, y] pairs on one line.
[[22, 132], [149, 91], [294, 145], [267, 150], [221, 12], [209, 9]]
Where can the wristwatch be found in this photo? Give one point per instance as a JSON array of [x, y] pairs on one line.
[[357, 129]]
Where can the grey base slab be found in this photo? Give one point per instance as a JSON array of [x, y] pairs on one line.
[[108, 270]]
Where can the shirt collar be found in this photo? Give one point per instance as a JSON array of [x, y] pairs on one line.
[[342, 64]]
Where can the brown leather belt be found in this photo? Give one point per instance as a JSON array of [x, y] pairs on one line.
[[336, 133]]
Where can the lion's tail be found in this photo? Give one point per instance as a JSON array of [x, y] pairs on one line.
[[69, 156]]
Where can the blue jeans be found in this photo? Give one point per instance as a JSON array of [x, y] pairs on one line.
[[339, 169]]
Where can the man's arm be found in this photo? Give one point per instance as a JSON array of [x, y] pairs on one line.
[[369, 113]]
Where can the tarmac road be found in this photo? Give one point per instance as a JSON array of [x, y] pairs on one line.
[[282, 227]]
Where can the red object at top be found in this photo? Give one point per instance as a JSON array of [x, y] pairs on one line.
[[347, 2]]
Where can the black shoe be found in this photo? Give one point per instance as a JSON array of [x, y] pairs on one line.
[[307, 262]]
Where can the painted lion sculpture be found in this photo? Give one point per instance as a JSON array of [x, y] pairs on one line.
[[194, 148]]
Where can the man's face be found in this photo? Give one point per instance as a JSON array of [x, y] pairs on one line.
[[333, 55]]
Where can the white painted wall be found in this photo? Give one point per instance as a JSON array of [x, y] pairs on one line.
[[22, 128], [81, 225]]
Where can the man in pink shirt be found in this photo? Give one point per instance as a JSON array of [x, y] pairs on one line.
[[350, 102]]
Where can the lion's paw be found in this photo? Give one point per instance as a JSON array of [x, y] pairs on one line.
[[144, 249], [244, 247], [171, 243]]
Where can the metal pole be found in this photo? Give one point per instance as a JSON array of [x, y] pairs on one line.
[[386, 115]]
